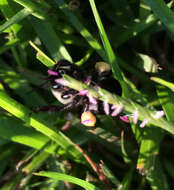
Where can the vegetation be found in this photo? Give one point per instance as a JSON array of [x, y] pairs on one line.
[[133, 150]]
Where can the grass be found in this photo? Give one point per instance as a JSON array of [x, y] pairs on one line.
[[55, 151]]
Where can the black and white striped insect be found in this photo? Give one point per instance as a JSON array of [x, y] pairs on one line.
[[70, 98]]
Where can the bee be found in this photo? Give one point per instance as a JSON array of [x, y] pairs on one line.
[[64, 94], [71, 98]]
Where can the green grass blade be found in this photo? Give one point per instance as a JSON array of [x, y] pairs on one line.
[[169, 168], [8, 12], [36, 162], [95, 137], [32, 7], [42, 56], [5, 157], [23, 113], [137, 131], [72, 39], [108, 49], [165, 14], [50, 39], [166, 98], [157, 178], [23, 135], [134, 71], [64, 177], [147, 160], [81, 29], [163, 82], [136, 29], [9, 45], [20, 86], [120, 11], [125, 184], [110, 175], [15, 19], [85, 58]]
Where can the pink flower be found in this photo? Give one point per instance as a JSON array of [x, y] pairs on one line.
[[135, 117], [106, 107], [159, 114], [125, 118], [114, 107], [92, 99], [83, 92], [145, 121], [61, 81], [116, 110], [52, 73]]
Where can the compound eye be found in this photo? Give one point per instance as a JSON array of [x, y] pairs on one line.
[[66, 96]]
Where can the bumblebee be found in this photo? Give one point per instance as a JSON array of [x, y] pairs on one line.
[[63, 94], [67, 96], [71, 98]]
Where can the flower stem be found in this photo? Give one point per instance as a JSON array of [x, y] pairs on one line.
[[129, 105]]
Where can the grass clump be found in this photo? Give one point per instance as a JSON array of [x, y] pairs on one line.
[[136, 39]]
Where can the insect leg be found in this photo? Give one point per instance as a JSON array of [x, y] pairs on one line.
[[50, 108]]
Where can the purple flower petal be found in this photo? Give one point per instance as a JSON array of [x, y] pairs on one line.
[[144, 123], [52, 73], [113, 107], [92, 99], [83, 92], [135, 117], [125, 118], [117, 110], [61, 81], [159, 114], [106, 107]]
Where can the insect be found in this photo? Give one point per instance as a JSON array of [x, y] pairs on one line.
[[67, 96], [71, 98]]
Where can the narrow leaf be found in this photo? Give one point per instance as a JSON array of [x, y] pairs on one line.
[[64, 177], [108, 49], [15, 19], [33, 120]]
